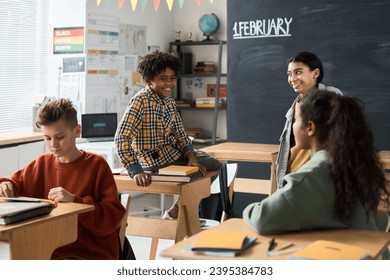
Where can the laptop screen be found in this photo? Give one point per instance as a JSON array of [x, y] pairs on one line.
[[98, 126]]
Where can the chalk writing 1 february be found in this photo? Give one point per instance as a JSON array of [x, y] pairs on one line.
[[261, 28]]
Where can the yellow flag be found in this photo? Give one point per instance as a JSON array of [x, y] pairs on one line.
[[134, 4], [170, 3]]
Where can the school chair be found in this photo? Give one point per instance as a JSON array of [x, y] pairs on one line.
[[125, 250], [221, 185]]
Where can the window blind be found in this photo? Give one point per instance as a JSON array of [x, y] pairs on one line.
[[24, 38]]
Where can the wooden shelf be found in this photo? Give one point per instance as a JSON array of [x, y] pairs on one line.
[[217, 75]]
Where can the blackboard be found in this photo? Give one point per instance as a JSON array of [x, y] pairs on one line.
[[351, 37]]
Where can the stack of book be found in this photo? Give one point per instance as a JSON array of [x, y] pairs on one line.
[[177, 173], [185, 103], [208, 102], [205, 67], [172, 173], [193, 131], [204, 139], [222, 243]]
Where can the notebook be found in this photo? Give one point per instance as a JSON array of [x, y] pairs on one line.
[[14, 211], [330, 250], [222, 243], [99, 127]]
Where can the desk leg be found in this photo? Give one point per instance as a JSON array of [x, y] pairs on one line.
[[189, 203], [47, 237]]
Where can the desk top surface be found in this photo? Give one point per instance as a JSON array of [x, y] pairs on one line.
[[385, 158], [375, 242], [62, 210], [125, 183], [19, 136], [243, 151]]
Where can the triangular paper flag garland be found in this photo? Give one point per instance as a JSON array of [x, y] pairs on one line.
[[120, 4], [156, 3], [169, 3], [134, 4]]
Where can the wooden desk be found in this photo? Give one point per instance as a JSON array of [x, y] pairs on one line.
[[383, 204], [187, 223], [248, 152], [36, 239], [19, 136], [385, 158], [375, 242]]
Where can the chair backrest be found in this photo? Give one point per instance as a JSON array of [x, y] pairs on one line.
[[125, 250], [231, 174], [226, 181]]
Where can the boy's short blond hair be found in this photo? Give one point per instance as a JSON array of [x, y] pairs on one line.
[[53, 111]]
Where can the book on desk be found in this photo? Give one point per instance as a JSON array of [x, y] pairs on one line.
[[176, 178], [13, 210], [222, 243], [156, 176], [179, 170], [330, 250]]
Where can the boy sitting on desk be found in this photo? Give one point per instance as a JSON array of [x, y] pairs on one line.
[[70, 175], [151, 133]]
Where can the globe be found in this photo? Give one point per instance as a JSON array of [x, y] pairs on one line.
[[208, 24]]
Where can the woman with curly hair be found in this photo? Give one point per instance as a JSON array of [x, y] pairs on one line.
[[340, 186]]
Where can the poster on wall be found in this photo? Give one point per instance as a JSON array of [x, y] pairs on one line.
[[68, 40], [73, 64], [132, 39]]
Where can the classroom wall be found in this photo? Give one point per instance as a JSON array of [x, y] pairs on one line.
[[161, 27], [63, 13]]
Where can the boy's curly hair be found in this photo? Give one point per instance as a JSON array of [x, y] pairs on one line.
[[154, 63]]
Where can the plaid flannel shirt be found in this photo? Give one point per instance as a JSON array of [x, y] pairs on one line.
[[151, 132]]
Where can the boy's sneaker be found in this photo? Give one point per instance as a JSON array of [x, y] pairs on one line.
[[172, 213]]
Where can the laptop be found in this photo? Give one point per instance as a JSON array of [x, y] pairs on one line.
[[99, 127]]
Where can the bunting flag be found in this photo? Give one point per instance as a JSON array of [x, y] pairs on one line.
[[98, 2], [181, 2], [134, 4], [109, 2], [120, 4], [211, 1], [156, 3], [198, 2], [169, 3], [143, 4]]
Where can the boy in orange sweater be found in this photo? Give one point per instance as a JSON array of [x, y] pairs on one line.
[[71, 175]]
